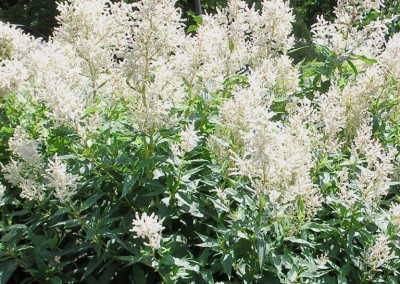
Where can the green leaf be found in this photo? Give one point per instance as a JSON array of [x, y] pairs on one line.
[[156, 192], [219, 141], [342, 280], [7, 269], [241, 247], [188, 174], [315, 227], [189, 205], [130, 259], [292, 275], [21, 212], [191, 29], [184, 263], [109, 272], [91, 201], [129, 182], [114, 238], [352, 66], [366, 60], [208, 242], [167, 260], [56, 279], [62, 211], [138, 275], [219, 205], [299, 241], [198, 20], [15, 233], [91, 109], [68, 223], [262, 251], [91, 232], [92, 265], [269, 279], [207, 276], [345, 269], [392, 280], [314, 274], [227, 261], [231, 46], [53, 242]]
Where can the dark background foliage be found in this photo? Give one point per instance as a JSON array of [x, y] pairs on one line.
[[39, 15]]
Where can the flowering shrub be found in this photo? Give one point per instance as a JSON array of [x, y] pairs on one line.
[[134, 151]]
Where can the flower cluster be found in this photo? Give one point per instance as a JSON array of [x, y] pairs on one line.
[[2, 192], [188, 141], [380, 253], [148, 226], [23, 171], [389, 59], [343, 35], [24, 147], [376, 165], [395, 215], [61, 181], [14, 47]]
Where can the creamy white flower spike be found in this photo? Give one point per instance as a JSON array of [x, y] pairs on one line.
[[148, 227], [63, 183], [89, 27], [24, 147], [189, 139], [380, 253], [15, 47], [273, 31], [2, 193], [275, 157], [332, 113], [390, 59], [100, 46], [375, 166], [13, 172], [344, 37], [13, 76], [14, 44], [31, 189], [395, 215]]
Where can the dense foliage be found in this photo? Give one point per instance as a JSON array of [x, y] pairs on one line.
[[137, 150], [39, 15]]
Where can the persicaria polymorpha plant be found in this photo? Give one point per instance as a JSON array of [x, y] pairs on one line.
[[135, 151]]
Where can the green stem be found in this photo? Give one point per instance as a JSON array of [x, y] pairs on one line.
[[76, 214], [176, 185], [148, 147]]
